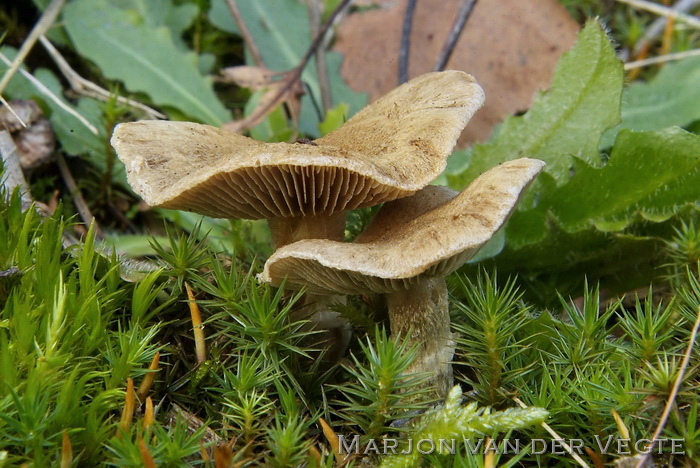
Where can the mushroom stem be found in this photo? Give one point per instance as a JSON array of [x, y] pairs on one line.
[[334, 330], [321, 226], [421, 315]]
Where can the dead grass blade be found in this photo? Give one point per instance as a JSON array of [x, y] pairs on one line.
[[149, 378], [200, 344]]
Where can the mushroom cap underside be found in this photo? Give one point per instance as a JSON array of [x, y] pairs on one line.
[[388, 150], [435, 242]]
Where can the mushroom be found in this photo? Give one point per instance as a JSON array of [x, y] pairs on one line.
[[390, 149], [405, 254]]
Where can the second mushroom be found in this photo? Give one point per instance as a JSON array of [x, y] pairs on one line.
[[405, 254]]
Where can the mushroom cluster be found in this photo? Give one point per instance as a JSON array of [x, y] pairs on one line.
[[386, 153], [389, 150]]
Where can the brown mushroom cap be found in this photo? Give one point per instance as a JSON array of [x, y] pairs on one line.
[[397, 251], [388, 150]]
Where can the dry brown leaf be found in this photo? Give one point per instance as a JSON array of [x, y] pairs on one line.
[[331, 437], [36, 142], [66, 451], [149, 378], [509, 46], [223, 456], [28, 111], [176, 414], [254, 78], [129, 407]]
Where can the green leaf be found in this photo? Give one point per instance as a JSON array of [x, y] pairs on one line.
[[493, 247], [280, 29], [565, 221], [563, 122], [621, 262], [177, 18], [144, 56], [335, 118], [608, 221], [649, 174], [274, 127], [157, 13], [671, 98]]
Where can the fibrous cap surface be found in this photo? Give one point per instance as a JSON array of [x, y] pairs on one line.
[[388, 150]]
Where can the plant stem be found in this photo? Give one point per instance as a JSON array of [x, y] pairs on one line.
[[662, 59], [78, 199], [557, 437], [463, 15], [317, 309], [295, 73], [321, 67], [661, 10], [197, 327], [247, 37], [405, 50], [49, 94], [87, 88], [13, 177], [44, 23]]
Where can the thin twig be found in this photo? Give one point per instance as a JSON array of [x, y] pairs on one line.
[[662, 59], [557, 437], [49, 94], [87, 88], [674, 391], [406, 41], [463, 15], [658, 25], [245, 33], [12, 111], [318, 40], [661, 10], [667, 38], [297, 71], [78, 199], [321, 67], [44, 23]]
